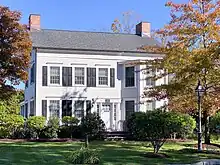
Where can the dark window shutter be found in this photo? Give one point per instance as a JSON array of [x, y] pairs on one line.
[[70, 76], [44, 74], [67, 76], [91, 77], [26, 110], [88, 106], [44, 108], [64, 76], [112, 77], [32, 73], [32, 110]]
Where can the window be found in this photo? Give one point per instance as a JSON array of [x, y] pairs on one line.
[[22, 111], [79, 76], [54, 108], [55, 75], [79, 108], [115, 109], [66, 108], [150, 73], [129, 108], [32, 73], [103, 76], [32, 111], [26, 110], [150, 106], [129, 77]]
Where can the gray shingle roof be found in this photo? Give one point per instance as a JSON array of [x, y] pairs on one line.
[[64, 39]]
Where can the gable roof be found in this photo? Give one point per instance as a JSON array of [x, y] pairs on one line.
[[64, 39]]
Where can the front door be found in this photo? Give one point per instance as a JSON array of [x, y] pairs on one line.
[[106, 115]]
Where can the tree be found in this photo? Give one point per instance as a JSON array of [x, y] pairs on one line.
[[156, 126], [15, 48], [10, 120], [126, 24], [92, 125], [215, 124], [191, 50]]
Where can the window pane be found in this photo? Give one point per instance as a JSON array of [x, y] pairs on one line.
[[129, 108], [79, 108], [55, 75], [129, 76], [54, 108], [79, 76], [103, 76]]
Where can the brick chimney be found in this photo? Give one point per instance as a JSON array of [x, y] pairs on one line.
[[143, 29], [34, 22]]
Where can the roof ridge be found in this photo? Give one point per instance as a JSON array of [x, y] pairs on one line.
[[84, 31]]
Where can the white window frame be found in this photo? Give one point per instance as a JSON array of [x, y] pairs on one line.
[[135, 76], [60, 108], [85, 74], [73, 107], [97, 76], [49, 68]]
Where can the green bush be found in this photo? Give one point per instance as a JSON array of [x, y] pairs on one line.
[[70, 121], [215, 124], [51, 129], [84, 156], [67, 132], [157, 126], [36, 124], [10, 124], [93, 126]]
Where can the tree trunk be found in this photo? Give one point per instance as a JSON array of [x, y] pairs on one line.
[[86, 141], [207, 129]]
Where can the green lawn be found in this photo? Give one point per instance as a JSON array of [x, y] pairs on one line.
[[112, 153]]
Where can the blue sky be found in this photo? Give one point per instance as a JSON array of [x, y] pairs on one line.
[[89, 15]]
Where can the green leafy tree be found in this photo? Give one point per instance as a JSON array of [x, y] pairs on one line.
[[92, 125], [36, 124], [215, 124], [191, 53], [157, 126], [10, 120], [15, 48]]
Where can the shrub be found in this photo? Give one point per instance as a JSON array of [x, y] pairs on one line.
[[9, 124], [84, 156], [157, 126], [93, 126], [36, 124], [70, 121], [51, 130], [66, 132], [70, 126], [215, 124]]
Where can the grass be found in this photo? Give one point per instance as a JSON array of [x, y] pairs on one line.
[[112, 153]]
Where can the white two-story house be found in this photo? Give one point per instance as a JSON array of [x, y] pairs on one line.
[[72, 71]]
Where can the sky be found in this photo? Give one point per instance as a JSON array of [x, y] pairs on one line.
[[89, 15]]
